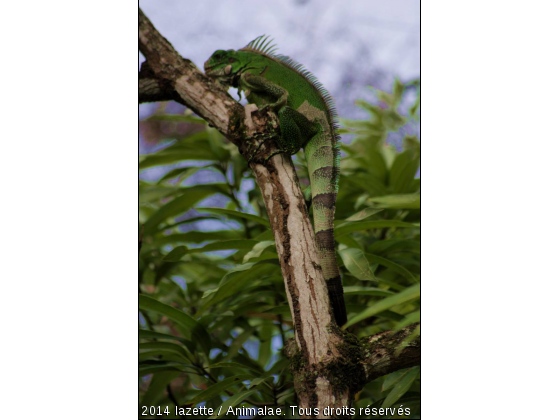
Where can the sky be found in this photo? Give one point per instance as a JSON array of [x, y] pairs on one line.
[[348, 45]]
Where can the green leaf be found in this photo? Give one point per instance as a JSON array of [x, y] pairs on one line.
[[267, 235], [393, 285], [413, 292], [376, 164], [392, 266], [233, 365], [219, 387], [265, 337], [188, 323], [258, 381], [188, 222], [350, 227], [411, 143], [398, 201], [268, 255], [195, 237], [349, 241], [154, 366], [232, 402], [217, 144], [238, 278], [157, 384], [363, 214], [398, 90], [409, 319], [403, 171], [366, 183], [367, 291], [183, 203], [239, 167], [153, 194], [172, 347], [356, 262], [258, 250], [194, 147], [401, 387], [162, 355], [236, 215], [146, 334], [393, 316], [225, 245], [392, 379], [177, 253], [169, 157], [238, 342], [394, 245], [183, 172]]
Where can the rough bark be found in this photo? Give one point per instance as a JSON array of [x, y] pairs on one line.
[[328, 366], [317, 336], [387, 352], [153, 89]]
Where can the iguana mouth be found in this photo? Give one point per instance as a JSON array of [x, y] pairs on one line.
[[207, 67], [218, 74], [217, 70]]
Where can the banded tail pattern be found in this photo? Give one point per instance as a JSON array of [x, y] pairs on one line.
[[323, 164]]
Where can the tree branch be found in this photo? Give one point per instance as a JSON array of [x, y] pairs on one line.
[[327, 370], [179, 77], [387, 352], [153, 89]]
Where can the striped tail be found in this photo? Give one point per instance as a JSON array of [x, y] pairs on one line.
[[322, 161]]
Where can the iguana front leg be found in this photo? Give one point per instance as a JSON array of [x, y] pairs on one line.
[[296, 129], [261, 91]]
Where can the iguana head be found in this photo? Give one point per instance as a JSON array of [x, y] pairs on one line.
[[224, 66]]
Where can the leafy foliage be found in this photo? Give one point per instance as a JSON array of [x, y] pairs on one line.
[[213, 308]]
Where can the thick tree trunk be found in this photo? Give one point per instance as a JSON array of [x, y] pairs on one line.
[[328, 365], [318, 338]]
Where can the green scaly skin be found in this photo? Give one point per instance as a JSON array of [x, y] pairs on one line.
[[307, 119]]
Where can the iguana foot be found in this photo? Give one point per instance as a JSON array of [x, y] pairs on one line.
[[273, 154], [266, 159], [265, 107], [251, 158]]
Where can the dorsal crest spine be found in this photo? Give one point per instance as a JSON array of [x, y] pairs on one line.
[[264, 45]]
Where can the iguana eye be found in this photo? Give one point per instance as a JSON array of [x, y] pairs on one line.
[[231, 60]]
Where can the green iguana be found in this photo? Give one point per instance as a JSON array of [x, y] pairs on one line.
[[307, 119]]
